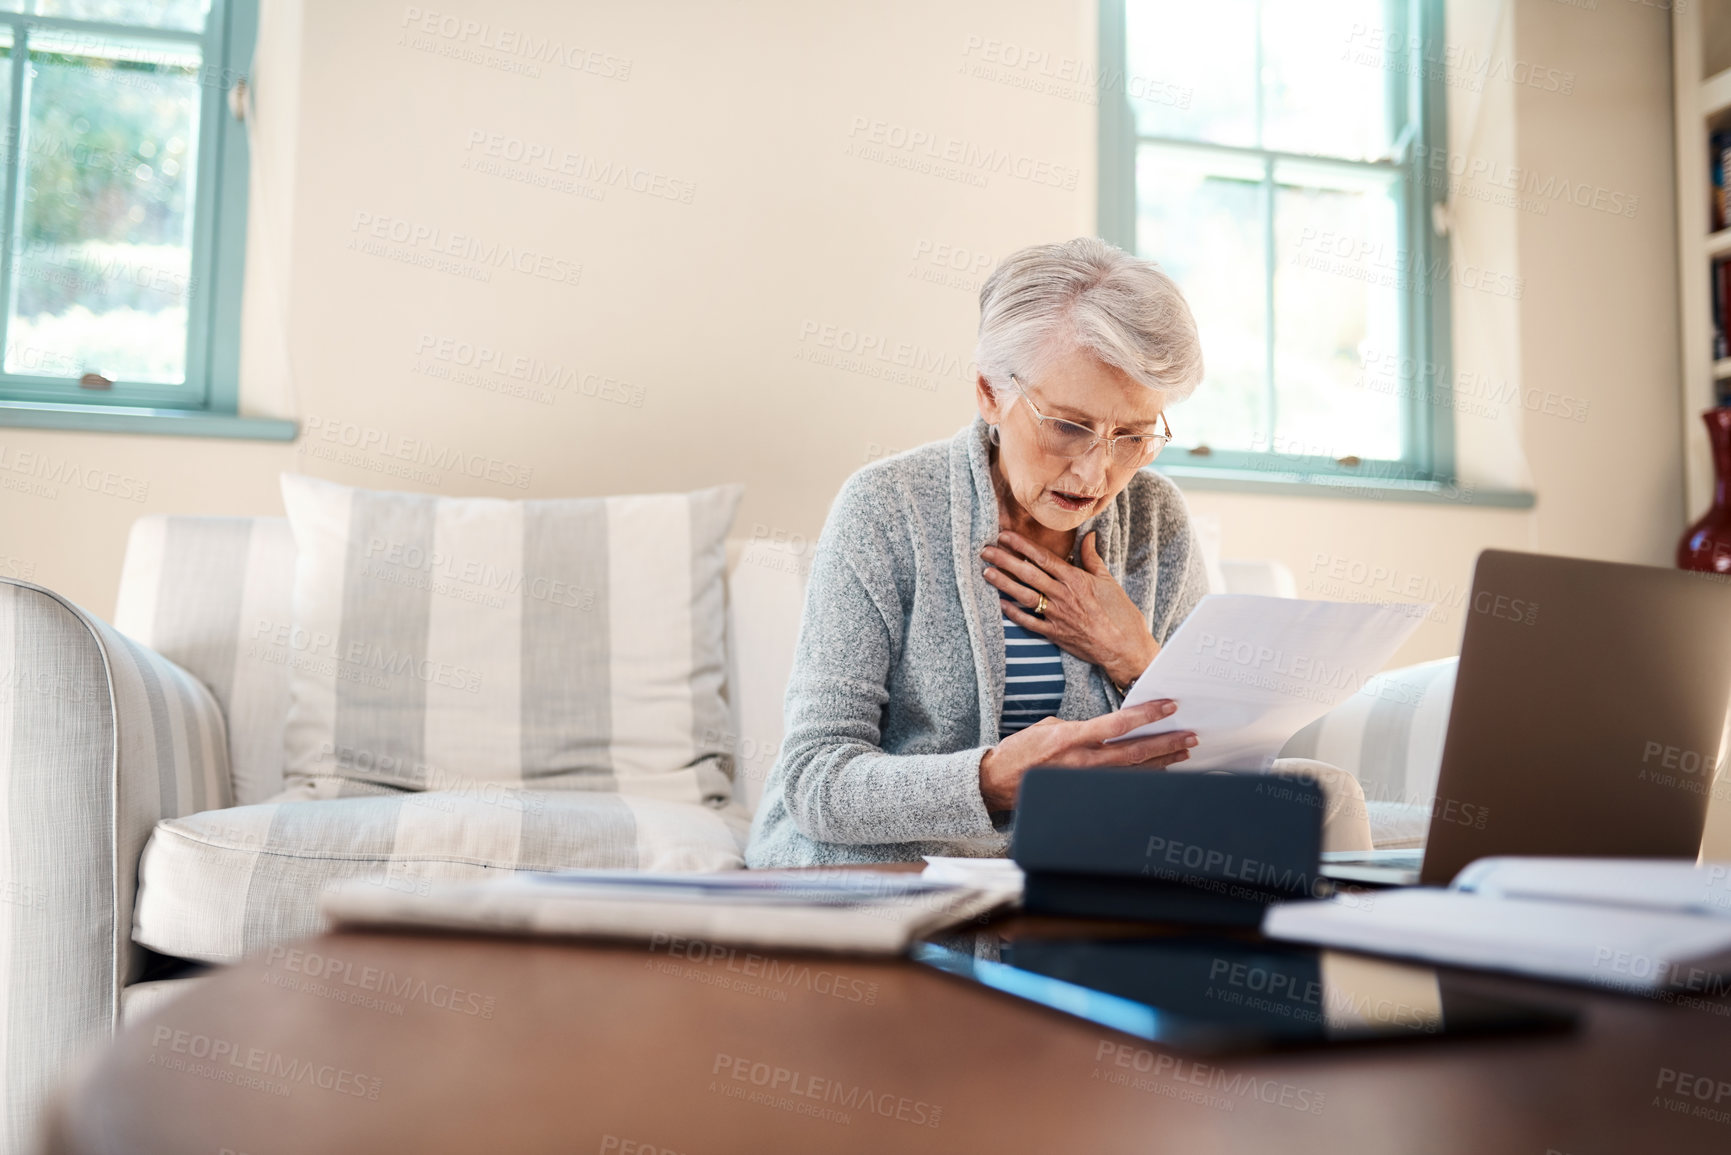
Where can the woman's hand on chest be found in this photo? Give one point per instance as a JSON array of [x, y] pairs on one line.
[[1086, 612]]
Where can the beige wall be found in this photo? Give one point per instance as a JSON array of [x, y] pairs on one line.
[[1599, 319], [693, 347]]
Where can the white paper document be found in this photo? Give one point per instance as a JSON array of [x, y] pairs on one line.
[[1250, 672], [981, 873], [1664, 885], [1620, 947]]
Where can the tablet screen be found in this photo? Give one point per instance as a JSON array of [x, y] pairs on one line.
[[1215, 994]]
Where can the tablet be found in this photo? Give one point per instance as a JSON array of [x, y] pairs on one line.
[[1215, 995]]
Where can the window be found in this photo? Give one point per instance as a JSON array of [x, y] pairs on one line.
[[1269, 156], [124, 208]]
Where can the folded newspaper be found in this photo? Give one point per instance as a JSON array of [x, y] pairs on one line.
[[858, 911]]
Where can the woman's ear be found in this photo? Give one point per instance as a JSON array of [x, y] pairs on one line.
[[991, 408]]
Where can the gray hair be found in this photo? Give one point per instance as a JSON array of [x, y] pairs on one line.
[[1087, 295]]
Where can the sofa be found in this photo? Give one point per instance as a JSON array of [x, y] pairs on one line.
[[159, 737]]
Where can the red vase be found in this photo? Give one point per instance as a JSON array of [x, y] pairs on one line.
[[1706, 545]]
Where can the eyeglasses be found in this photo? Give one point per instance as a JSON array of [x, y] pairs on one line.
[[1063, 438]]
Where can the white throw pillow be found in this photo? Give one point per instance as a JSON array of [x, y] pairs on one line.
[[571, 644]]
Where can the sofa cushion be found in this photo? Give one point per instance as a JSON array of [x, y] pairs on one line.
[[210, 594], [214, 886], [141, 1000], [564, 644], [1389, 736]]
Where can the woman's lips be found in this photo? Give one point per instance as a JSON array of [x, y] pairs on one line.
[[1070, 501]]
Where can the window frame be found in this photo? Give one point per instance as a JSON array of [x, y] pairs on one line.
[[207, 404], [1426, 467]]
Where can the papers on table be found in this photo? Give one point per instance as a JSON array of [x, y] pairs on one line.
[[1000, 874], [1677, 885], [865, 911], [1250, 672], [1641, 926]]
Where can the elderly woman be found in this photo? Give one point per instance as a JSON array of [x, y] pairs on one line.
[[979, 606]]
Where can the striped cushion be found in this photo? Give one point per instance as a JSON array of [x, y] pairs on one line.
[[217, 885], [211, 594], [1389, 736], [99, 737], [568, 644]]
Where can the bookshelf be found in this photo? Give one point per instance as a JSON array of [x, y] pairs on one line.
[[1701, 72]]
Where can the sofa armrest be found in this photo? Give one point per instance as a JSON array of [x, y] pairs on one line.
[[99, 738]]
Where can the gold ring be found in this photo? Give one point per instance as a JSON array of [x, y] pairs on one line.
[[1040, 606]]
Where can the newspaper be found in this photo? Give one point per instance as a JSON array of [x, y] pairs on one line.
[[855, 911]]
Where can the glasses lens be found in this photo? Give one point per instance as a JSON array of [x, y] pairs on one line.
[[1065, 438], [1135, 452]]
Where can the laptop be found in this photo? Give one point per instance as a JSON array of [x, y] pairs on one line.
[[1590, 714]]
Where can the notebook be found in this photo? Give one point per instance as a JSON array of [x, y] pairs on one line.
[[1639, 925]]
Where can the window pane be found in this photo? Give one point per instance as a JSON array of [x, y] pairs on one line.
[[1193, 73], [1191, 69], [1337, 300], [183, 14], [1313, 100], [6, 83], [1196, 214], [102, 277]]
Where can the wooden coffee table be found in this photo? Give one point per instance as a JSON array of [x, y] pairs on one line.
[[371, 1043]]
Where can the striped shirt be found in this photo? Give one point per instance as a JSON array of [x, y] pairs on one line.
[[1033, 676]]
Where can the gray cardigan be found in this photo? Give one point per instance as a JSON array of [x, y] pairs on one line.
[[898, 676]]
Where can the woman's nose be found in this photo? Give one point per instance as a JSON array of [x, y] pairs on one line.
[[1090, 468]]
